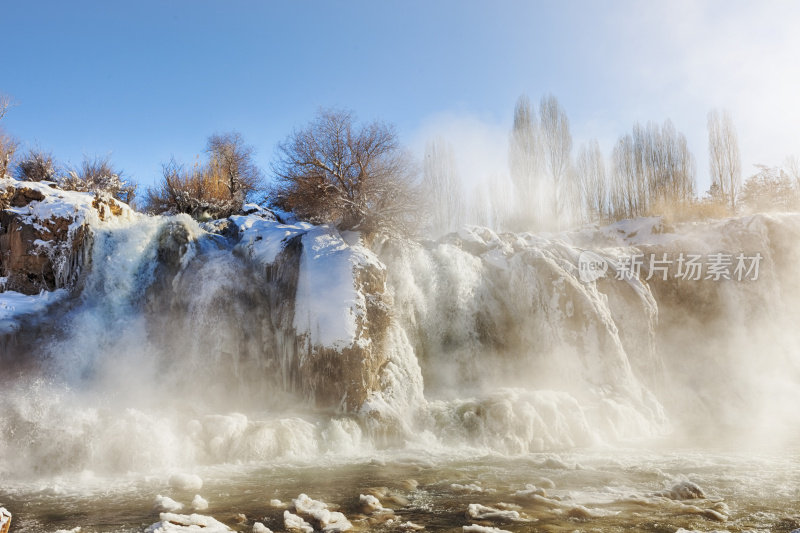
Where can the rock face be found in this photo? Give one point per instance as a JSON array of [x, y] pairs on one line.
[[328, 308], [45, 238], [344, 377]]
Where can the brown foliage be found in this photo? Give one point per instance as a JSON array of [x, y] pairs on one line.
[[216, 189]]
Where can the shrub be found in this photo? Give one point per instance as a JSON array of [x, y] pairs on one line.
[[36, 166], [98, 175], [216, 189]]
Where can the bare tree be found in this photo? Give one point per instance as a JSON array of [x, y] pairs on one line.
[[5, 103], [591, 170], [623, 198], [724, 160], [8, 145], [525, 159], [36, 165], [653, 170], [442, 188], [354, 176], [98, 175], [557, 142], [231, 163]]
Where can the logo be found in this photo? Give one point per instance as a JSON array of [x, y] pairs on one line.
[[591, 266]]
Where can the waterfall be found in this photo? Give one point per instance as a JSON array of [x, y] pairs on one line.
[[251, 339]]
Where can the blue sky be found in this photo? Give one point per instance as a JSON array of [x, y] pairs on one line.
[[144, 81]]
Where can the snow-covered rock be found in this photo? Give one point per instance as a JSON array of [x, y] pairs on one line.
[[199, 503], [317, 513], [45, 233], [167, 504], [181, 523]]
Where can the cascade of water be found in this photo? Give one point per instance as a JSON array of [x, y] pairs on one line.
[[184, 346]]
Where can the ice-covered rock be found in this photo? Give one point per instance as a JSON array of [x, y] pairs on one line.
[[317, 514], [181, 523], [477, 511], [45, 233], [369, 503], [295, 523], [199, 503], [476, 528], [5, 520], [684, 490], [167, 504]]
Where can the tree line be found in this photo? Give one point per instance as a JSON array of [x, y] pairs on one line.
[[357, 176], [649, 171]]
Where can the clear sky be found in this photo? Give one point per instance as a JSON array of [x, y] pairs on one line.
[[143, 81]]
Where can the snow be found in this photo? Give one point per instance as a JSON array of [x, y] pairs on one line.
[[258, 527], [63, 204], [328, 304], [14, 305], [179, 523], [261, 240]]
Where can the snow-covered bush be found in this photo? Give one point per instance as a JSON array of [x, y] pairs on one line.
[[98, 175], [36, 166]]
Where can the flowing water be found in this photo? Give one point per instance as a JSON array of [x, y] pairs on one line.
[[615, 405]]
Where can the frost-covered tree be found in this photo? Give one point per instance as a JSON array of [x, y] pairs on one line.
[[625, 201], [653, 170], [724, 160], [441, 187], [792, 166], [98, 175], [525, 160], [355, 176], [557, 143], [770, 189], [591, 174]]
